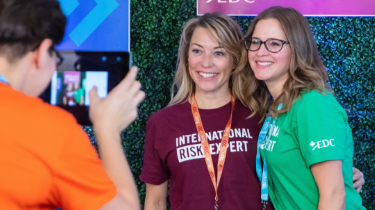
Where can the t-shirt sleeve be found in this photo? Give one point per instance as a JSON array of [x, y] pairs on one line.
[[321, 130], [155, 170], [80, 180]]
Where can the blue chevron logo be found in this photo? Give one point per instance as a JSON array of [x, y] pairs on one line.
[[68, 6], [92, 21]]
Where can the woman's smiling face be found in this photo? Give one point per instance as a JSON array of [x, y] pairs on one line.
[[267, 66], [210, 66]]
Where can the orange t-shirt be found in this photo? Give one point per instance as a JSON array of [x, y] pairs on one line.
[[46, 159]]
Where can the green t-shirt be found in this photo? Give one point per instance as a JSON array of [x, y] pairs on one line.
[[316, 129], [78, 95]]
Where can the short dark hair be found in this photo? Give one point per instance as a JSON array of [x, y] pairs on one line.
[[24, 24]]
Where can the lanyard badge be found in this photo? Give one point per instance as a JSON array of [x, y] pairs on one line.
[[264, 138], [206, 146]]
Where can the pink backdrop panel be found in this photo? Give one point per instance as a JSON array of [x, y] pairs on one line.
[[306, 7], [72, 77]]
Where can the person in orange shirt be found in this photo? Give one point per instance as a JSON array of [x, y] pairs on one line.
[[46, 159]]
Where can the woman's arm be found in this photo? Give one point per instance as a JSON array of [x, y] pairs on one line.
[[156, 196], [329, 178]]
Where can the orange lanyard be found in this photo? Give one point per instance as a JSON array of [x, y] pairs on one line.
[[206, 146]]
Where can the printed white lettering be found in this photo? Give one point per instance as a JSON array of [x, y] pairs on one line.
[[212, 149], [182, 153], [275, 131], [182, 140], [187, 139], [220, 134], [232, 1], [189, 152], [330, 142], [322, 144], [319, 144], [245, 143], [194, 138], [248, 133], [208, 135], [244, 133], [231, 133], [218, 145], [268, 145], [214, 136], [232, 149], [193, 151], [239, 146], [238, 132]]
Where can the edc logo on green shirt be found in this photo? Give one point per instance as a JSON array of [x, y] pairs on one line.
[[322, 144]]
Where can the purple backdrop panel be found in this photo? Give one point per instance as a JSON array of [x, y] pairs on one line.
[[306, 7]]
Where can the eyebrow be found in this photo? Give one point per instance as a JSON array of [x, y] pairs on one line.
[[218, 47]]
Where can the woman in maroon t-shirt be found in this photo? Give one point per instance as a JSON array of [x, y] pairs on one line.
[[208, 74]]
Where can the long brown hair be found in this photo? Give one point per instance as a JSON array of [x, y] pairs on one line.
[[306, 70], [227, 33]]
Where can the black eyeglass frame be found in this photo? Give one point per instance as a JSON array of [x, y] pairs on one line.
[[264, 42], [53, 49], [59, 56]]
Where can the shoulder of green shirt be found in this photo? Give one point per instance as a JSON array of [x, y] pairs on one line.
[[314, 96]]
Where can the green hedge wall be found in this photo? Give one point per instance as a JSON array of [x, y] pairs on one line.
[[346, 44]]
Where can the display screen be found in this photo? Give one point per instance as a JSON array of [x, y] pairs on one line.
[[71, 88], [79, 72]]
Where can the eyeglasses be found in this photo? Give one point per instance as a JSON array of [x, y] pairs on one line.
[[59, 58], [272, 45]]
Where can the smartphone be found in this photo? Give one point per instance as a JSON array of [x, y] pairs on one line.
[[79, 73]]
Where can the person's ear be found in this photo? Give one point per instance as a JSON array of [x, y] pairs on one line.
[[42, 55]]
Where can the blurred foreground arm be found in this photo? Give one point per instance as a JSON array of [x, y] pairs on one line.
[[328, 176], [156, 196], [110, 116]]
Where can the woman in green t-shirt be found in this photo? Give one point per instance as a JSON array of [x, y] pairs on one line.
[[306, 144]]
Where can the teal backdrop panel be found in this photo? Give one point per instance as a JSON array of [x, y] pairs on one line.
[[346, 44], [96, 25]]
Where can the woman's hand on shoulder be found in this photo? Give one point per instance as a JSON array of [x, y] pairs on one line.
[[358, 179]]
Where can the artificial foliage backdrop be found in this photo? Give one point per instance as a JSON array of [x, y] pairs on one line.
[[346, 44]]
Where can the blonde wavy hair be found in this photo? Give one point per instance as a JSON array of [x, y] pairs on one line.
[[306, 70], [229, 36]]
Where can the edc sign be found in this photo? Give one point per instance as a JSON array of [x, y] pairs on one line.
[[306, 7]]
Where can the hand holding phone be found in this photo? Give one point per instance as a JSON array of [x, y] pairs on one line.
[[117, 110]]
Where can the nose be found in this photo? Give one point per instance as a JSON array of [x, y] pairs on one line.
[[207, 60], [262, 50]]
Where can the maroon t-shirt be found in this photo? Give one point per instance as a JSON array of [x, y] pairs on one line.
[[173, 152]]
